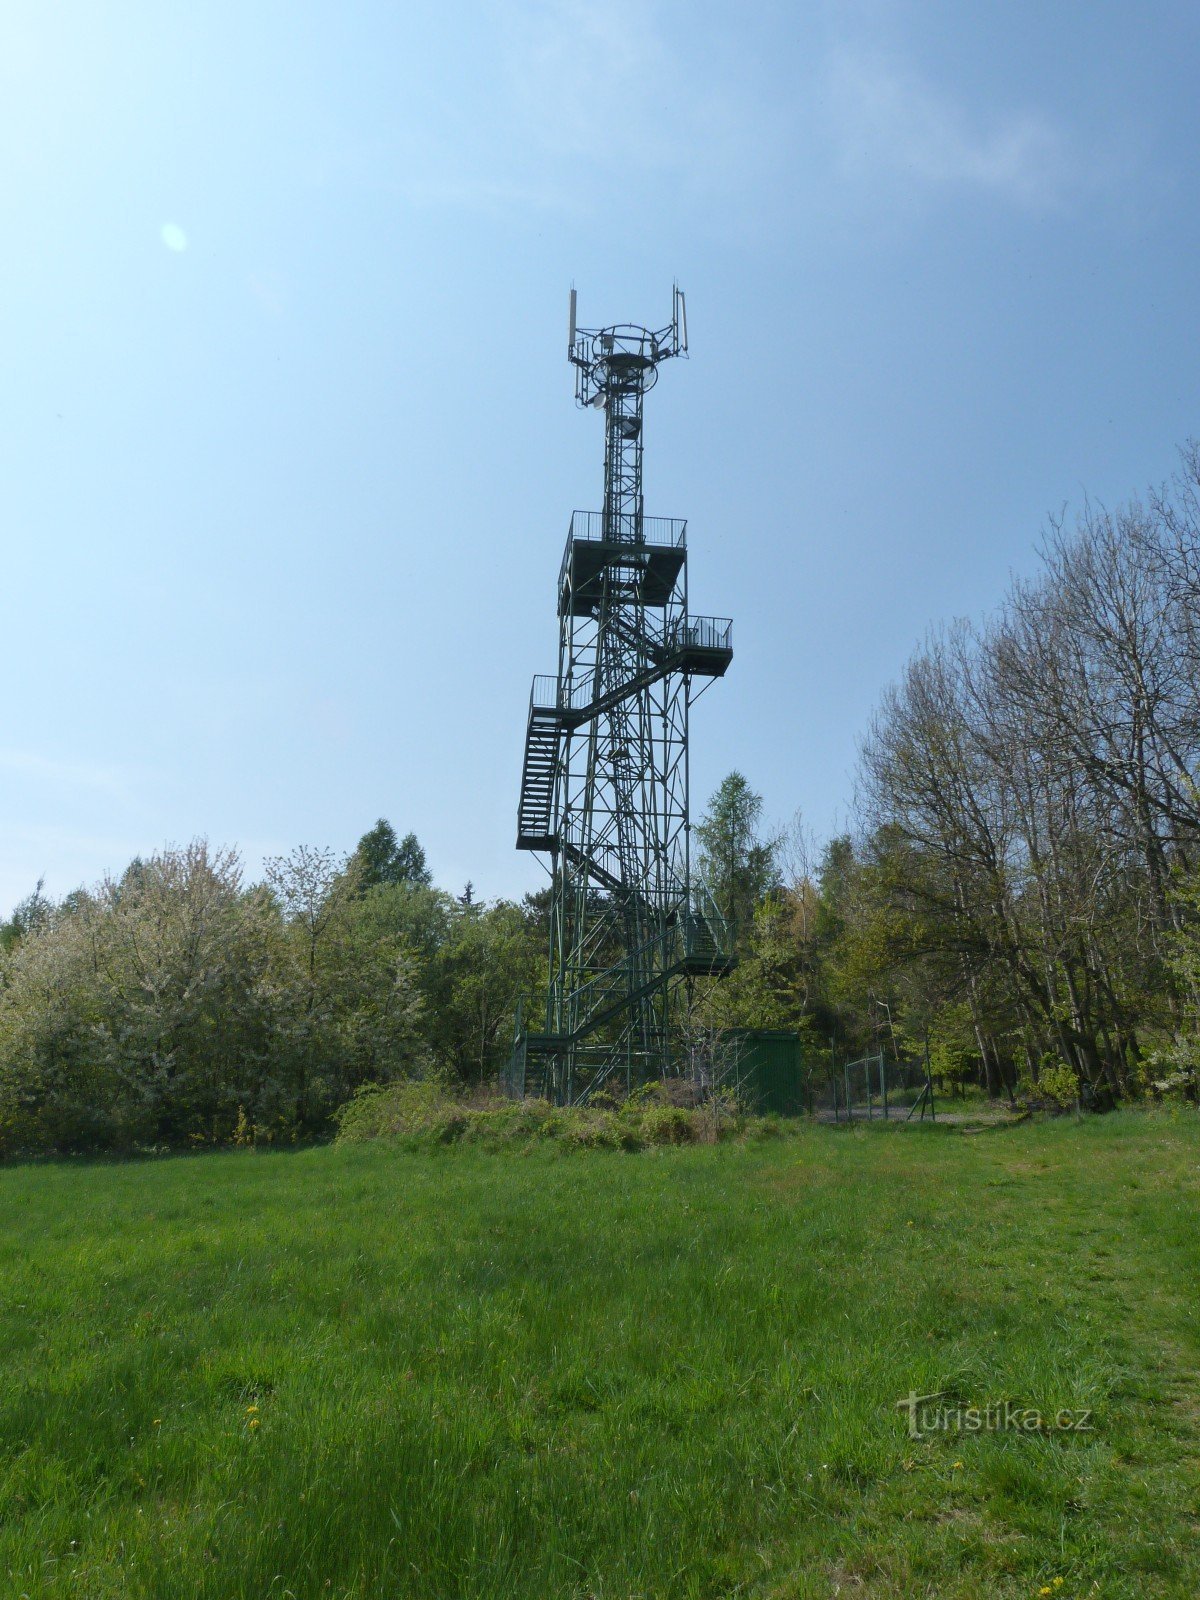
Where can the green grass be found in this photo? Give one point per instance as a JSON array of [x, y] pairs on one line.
[[596, 1374]]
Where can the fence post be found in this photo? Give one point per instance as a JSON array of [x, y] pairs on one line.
[[846, 1076], [883, 1084], [929, 1079]]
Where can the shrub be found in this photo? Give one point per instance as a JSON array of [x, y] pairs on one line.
[[412, 1106], [424, 1112], [666, 1124], [1059, 1085], [595, 1130]]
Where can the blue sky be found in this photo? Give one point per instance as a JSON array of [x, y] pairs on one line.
[[285, 485]]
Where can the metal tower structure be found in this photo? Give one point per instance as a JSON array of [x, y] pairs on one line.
[[604, 789]]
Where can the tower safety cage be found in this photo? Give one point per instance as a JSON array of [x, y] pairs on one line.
[[604, 786]]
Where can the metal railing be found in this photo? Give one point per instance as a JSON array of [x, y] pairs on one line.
[[705, 931], [544, 694], [698, 633], [548, 694], [703, 633], [592, 527]]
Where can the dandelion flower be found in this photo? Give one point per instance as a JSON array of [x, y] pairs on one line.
[[254, 1424], [957, 1464]]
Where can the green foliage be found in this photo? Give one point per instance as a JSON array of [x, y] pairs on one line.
[[1028, 803], [1059, 1084], [953, 1048], [139, 1015], [767, 988], [347, 1006], [736, 862], [33, 913], [377, 1111], [431, 1113], [176, 1006], [382, 858], [486, 962]]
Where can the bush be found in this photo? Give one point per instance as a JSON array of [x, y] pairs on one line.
[[1059, 1086], [1171, 1071], [388, 1110], [424, 1113], [665, 1124]]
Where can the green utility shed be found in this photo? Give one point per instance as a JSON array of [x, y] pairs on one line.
[[770, 1072]]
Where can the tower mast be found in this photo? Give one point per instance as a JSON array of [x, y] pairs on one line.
[[605, 781]]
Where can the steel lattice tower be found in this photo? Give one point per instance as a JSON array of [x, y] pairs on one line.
[[605, 783]]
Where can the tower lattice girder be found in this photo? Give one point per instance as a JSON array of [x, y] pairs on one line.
[[605, 782]]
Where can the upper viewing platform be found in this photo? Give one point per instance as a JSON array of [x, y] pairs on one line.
[[649, 551]]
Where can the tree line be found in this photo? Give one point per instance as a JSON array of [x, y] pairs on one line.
[[1019, 894], [178, 1005], [1018, 900]]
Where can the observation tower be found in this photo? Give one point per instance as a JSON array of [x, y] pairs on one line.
[[604, 787]]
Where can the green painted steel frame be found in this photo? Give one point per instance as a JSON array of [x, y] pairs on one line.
[[628, 930]]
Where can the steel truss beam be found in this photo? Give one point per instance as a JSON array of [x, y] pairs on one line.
[[605, 785]]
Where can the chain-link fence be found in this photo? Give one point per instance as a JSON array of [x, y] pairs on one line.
[[873, 1086]]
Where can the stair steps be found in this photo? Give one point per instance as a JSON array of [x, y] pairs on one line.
[[535, 810]]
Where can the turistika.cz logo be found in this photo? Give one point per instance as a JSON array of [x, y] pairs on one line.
[[932, 1413]]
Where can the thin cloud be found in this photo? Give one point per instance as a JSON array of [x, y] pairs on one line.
[[888, 122], [612, 91], [579, 102], [91, 776]]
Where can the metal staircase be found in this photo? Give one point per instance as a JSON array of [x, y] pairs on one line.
[[535, 830], [696, 647], [706, 947], [698, 942], [604, 784]]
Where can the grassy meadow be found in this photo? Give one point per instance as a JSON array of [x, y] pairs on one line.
[[366, 1371]]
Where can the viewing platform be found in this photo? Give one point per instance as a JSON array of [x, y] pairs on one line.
[[699, 646], [706, 946], [702, 646], [647, 552]]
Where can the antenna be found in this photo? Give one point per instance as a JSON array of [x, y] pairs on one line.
[[604, 784]]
